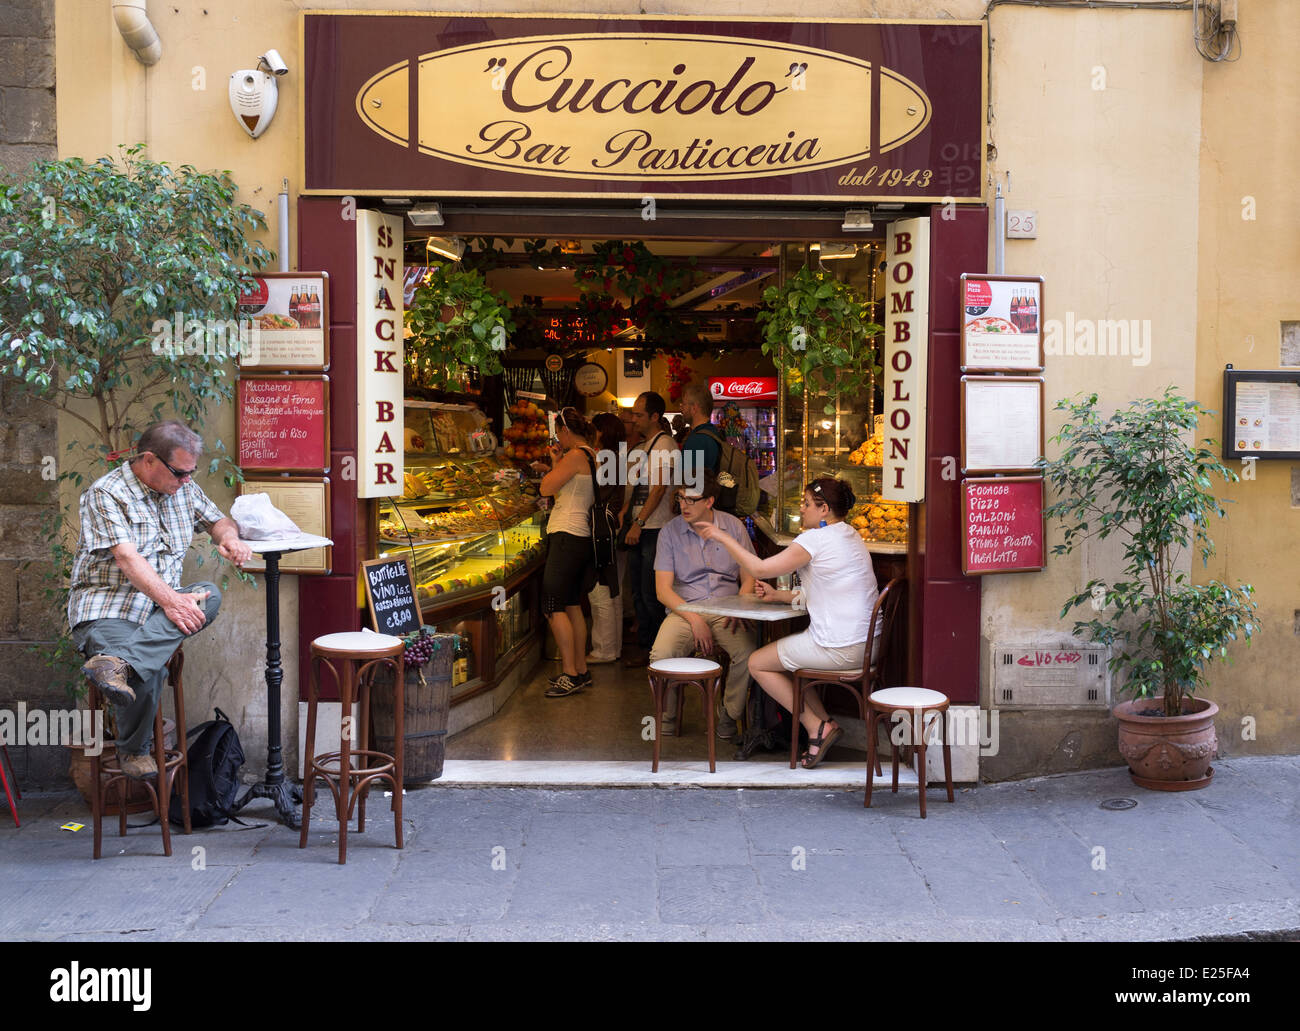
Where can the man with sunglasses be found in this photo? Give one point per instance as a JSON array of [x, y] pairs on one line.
[[689, 568], [126, 608]]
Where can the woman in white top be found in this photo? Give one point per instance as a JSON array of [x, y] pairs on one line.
[[839, 589], [570, 561]]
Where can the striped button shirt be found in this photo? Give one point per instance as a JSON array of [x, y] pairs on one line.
[[119, 509]]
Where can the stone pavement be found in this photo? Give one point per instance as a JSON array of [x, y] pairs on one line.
[[1030, 860]]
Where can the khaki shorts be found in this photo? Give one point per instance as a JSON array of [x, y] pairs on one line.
[[800, 651]]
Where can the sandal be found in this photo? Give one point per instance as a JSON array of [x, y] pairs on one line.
[[822, 742]]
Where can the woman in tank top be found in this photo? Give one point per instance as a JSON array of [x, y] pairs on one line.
[[570, 562]]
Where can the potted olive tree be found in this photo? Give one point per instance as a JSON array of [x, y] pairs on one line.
[[1137, 476], [455, 322], [817, 329]]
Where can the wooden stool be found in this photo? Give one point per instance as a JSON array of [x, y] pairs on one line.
[[359, 654], [920, 702], [666, 674], [105, 773]]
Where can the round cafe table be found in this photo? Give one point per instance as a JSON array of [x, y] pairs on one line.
[[282, 793]]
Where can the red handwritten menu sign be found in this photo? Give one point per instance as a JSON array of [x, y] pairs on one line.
[[1002, 525], [283, 423]]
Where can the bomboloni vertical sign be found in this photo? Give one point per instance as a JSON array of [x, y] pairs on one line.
[[907, 348], [380, 306]]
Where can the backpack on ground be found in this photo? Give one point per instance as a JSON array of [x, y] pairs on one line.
[[741, 499], [215, 759], [603, 517]]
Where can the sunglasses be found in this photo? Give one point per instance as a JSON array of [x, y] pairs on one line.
[[180, 474]]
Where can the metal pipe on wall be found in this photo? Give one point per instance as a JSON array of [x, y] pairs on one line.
[[283, 211]]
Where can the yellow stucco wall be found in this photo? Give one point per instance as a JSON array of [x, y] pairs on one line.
[[1246, 288], [1133, 150]]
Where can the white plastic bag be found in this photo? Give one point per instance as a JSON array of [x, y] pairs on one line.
[[259, 520]]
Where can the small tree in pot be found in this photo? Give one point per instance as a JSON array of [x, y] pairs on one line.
[[1135, 475]]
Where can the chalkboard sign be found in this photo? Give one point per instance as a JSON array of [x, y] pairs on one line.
[[390, 595], [283, 423], [1002, 525]]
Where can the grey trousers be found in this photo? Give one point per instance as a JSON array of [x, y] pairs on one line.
[[146, 647]]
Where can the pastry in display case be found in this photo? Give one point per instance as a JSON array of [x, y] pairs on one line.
[[467, 518]]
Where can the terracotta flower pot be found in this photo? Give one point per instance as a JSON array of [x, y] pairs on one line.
[[1168, 753]]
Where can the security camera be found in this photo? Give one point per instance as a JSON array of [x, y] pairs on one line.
[[253, 98], [274, 63]]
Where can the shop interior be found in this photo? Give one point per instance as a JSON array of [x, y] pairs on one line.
[[591, 323]]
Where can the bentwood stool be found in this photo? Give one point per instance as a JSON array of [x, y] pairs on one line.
[[919, 704], [672, 675], [857, 682], [4, 779], [170, 761], [352, 659]]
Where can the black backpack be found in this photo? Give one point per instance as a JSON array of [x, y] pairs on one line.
[[215, 758], [603, 517]]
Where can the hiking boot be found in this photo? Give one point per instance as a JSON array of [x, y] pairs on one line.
[[110, 675], [564, 686], [139, 767], [727, 727]]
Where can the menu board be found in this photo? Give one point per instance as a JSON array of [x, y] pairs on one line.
[[1001, 423], [290, 316], [307, 502], [390, 595], [1001, 323], [1002, 527], [283, 423], [1261, 414]]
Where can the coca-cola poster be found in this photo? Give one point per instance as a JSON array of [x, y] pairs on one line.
[[743, 389], [289, 312], [1001, 323]]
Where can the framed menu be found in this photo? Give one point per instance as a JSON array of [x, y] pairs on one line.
[[1002, 525], [1001, 323], [305, 500], [1261, 413], [1001, 424], [290, 313], [282, 423]]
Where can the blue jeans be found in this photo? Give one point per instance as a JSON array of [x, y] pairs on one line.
[[641, 569]]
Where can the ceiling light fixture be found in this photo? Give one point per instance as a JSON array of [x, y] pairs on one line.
[[426, 215], [452, 247], [857, 220]]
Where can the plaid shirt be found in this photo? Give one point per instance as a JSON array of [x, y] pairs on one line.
[[119, 509]]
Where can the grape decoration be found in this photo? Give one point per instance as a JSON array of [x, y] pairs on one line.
[[420, 647]]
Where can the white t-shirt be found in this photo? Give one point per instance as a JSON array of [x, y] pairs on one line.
[[656, 471], [839, 585], [572, 510]]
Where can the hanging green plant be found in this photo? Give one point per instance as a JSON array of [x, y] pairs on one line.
[[818, 329], [456, 322]]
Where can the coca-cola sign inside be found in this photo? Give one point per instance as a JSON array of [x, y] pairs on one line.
[[743, 388]]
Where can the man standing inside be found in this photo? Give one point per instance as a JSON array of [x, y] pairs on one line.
[[126, 608], [697, 409], [688, 569], [649, 507]]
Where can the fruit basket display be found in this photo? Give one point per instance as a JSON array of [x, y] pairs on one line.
[[527, 434], [878, 522]]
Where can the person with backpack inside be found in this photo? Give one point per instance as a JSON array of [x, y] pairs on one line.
[[707, 448], [570, 560], [646, 510], [605, 598]]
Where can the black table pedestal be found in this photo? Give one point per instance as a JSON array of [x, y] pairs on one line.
[[284, 794]]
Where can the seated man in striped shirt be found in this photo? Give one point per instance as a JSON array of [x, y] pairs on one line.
[[126, 608], [687, 569]]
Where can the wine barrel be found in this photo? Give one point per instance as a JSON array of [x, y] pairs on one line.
[[428, 700]]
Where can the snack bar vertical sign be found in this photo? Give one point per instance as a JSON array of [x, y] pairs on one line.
[[380, 303], [907, 348]]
